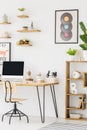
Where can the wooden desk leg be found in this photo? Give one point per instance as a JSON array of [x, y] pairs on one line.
[[54, 99], [42, 110]]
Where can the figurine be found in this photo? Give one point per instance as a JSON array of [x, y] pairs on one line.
[[48, 74], [51, 77], [73, 88], [31, 25], [54, 74], [29, 76], [40, 78], [76, 74], [5, 18], [79, 104]]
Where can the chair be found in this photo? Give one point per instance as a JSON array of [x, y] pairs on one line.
[[8, 98]]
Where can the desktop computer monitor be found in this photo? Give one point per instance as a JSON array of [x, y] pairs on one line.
[[13, 70]]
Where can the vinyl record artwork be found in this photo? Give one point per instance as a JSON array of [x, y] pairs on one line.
[[66, 26]]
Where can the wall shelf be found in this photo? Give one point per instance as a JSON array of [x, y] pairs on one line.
[[25, 44], [79, 94], [5, 23], [5, 37], [23, 16], [26, 31], [77, 61]]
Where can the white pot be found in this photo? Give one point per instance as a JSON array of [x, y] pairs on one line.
[[71, 57], [85, 54]]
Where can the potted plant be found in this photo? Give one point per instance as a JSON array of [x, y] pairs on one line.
[[21, 10], [71, 53], [83, 37]]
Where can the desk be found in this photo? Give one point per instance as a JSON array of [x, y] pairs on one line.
[[43, 85]]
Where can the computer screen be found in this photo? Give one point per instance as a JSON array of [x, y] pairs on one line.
[[13, 69]]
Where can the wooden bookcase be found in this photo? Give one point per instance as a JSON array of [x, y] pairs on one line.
[[69, 95], [85, 79]]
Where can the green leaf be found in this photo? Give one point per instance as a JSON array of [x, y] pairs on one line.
[[21, 9], [71, 51], [83, 38], [83, 46], [83, 27]]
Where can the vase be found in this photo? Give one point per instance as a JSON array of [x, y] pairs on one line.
[[85, 54], [5, 18], [71, 57]]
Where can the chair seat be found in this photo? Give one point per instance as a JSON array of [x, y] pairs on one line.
[[17, 99]]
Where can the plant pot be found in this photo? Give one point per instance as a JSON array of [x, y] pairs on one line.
[[85, 54], [71, 57]]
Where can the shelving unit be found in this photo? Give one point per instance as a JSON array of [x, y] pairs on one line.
[[85, 79], [70, 95]]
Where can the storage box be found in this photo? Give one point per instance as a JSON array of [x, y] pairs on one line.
[[75, 116]]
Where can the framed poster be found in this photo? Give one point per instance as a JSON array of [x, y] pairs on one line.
[[5, 51], [66, 26]]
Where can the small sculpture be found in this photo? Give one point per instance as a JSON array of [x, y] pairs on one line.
[[73, 88], [76, 74], [54, 74], [31, 25], [39, 78], [29, 76], [6, 34], [48, 74], [51, 77], [79, 104], [5, 18]]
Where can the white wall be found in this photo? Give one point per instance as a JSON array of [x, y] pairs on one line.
[[44, 55]]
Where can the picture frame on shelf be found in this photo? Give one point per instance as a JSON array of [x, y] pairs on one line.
[[5, 52], [66, 26]]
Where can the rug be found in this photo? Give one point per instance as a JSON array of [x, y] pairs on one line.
[[64, 126]]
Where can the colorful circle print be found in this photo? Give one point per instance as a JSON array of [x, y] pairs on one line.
[[66, 18], [66, 36], [66, 26]]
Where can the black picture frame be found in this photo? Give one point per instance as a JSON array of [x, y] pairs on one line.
[[66, 26], [5, 52]]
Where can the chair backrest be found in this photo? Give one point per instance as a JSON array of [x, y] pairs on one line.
[[9, 88]]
